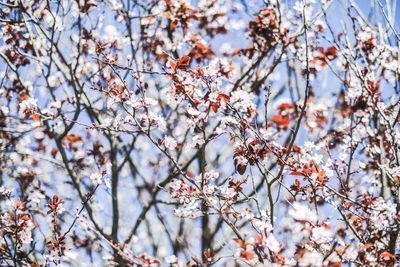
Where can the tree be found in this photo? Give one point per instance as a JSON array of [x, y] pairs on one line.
[[199, 133]]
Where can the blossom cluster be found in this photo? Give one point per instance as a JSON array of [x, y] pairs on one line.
[[199, 133]]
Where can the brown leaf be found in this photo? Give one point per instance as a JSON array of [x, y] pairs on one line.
[[183, 63], [241, 168], [73, 138]]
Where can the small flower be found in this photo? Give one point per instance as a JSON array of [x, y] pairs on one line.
[[301, 212], [169, 142], [96, 178], [171, 259], [5, 110], [28, 106], [273, 244]]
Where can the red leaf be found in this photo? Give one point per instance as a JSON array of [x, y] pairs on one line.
[[296, 186], [241, 168], [367, 246], [331, 53], [72, 138], [36, 117], [171, 64], [248, 255], [347, 204], [215, 106], [223, 97], [282, 121], [183, 63], [386, 255], [53, 152]]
